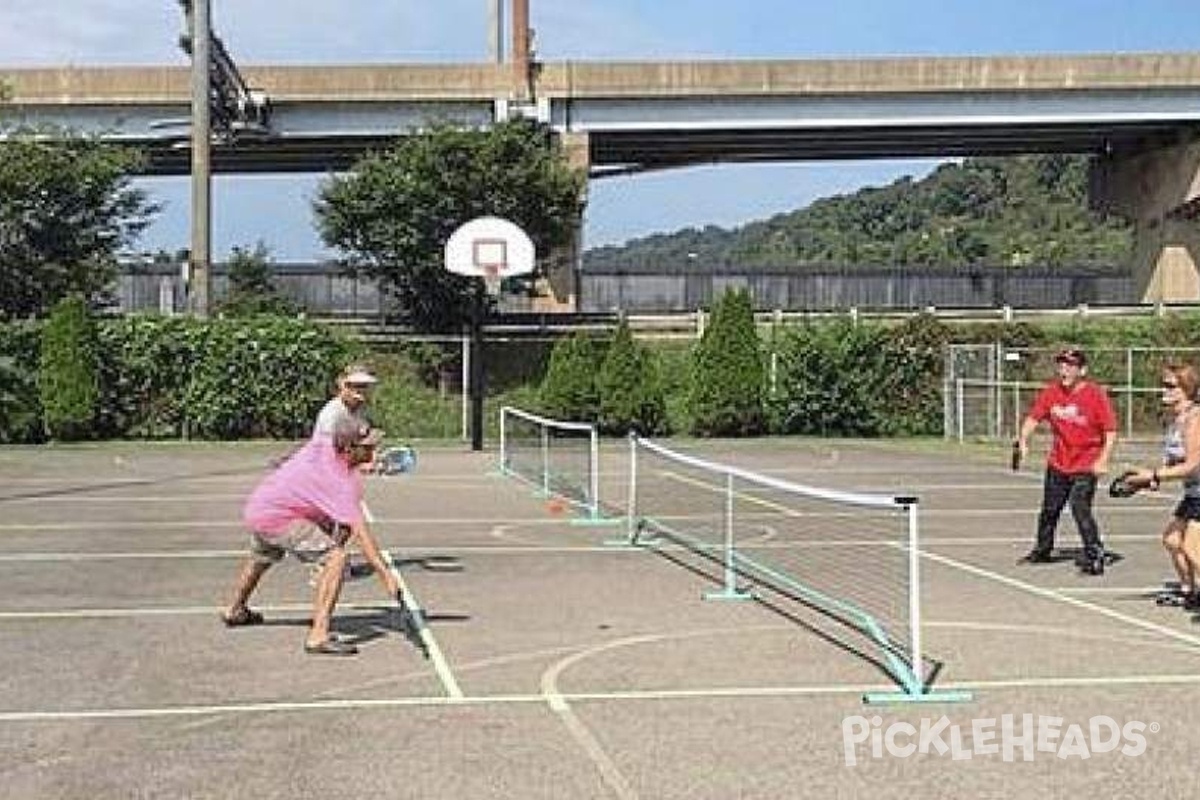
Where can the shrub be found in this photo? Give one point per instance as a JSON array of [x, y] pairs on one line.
[[67, 377], [830, 381], [569, 389], [913, 362], [631, 397], [260, 377], [725, 395]]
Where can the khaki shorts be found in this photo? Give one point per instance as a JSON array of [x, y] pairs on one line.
[[306, 540]]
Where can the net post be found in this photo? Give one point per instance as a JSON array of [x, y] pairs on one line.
[[958, 399], [631, 501], [1129, 392], [594, 478], [915, 689], [914, 593], [730, 590], [546, 460], [503, 440]]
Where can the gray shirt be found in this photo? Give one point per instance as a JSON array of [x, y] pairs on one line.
[[333, 411]]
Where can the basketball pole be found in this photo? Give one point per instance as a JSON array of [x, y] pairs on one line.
[[477, 368]]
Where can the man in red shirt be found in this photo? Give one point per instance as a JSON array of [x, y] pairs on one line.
[[1084, 427]]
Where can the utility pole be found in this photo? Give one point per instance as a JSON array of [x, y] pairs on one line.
[[495, 31], [520, 50], [200, 278]]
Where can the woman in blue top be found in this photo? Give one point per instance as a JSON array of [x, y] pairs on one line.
[[1181, 461]]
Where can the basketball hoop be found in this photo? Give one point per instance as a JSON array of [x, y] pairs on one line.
[[492, 249]]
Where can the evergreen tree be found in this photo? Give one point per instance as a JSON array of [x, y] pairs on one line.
[[569, 389], [252, 287], [725, 396], [631, 395]]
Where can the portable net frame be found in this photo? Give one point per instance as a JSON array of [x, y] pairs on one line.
[[852, 557], [558, 457]]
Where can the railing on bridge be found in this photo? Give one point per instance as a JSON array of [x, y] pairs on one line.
[[322, 290]]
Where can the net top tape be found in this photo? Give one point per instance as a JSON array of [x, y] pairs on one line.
[[549, 423], [832, 495]]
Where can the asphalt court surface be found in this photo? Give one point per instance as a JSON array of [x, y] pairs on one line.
[[570, 666]]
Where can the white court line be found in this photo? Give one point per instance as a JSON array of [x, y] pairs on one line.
[[516, 547], [538, 520], [170, 611], [1050, 594], [609, 771], [628, 695], [68, 557], [84, 498], [915, 488], [233, 523], [1141, 638], [440, 665], [1111, 589], [251, 474], [125, 498]]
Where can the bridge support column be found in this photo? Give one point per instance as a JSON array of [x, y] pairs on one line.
[[560, 289], [1167, 260], [1160, 191]]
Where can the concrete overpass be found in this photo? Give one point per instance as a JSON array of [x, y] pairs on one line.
[[653, 115], [1138, 114]]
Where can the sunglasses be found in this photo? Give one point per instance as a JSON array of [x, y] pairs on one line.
[[1170, 385]]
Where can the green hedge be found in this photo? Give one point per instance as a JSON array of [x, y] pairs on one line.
[[162, 377], [175, 376], [67, 371]]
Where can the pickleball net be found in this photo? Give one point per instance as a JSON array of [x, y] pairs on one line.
[[560, 458], [853, 557]]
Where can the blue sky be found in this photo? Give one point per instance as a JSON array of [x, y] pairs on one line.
[[277, 209]]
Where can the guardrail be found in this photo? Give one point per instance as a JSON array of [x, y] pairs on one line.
[[692, 324]]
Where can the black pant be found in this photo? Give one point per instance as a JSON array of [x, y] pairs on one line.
[[1079, 489]]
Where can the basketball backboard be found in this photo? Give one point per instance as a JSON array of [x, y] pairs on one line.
[[490, 248]]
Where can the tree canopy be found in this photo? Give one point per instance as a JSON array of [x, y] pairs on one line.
[[392, 214], [66, 210], [1027, 210]]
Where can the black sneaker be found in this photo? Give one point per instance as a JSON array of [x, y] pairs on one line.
[[1036, 556], [1093, 564]]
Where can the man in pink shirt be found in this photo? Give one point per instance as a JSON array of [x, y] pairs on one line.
[[311, 507], [1084, 426]]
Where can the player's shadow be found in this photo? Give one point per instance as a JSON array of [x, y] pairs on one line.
[[366, 625], [430, 563], [360, 569], [1075, 555]]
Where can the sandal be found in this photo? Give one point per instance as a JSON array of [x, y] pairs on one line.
[[244, 616], [330, 647]]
